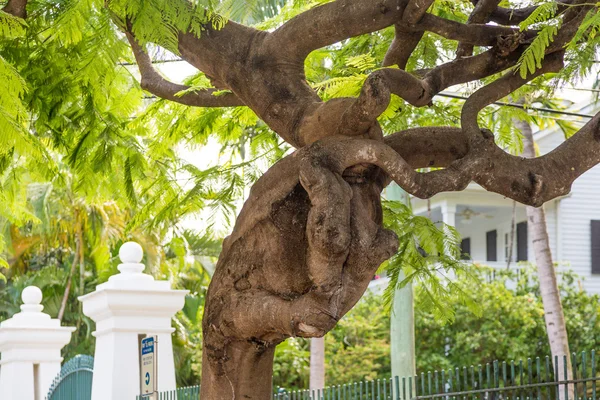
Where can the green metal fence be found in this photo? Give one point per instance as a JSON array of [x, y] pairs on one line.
[[74, 382], [185, 393], [532, 379]]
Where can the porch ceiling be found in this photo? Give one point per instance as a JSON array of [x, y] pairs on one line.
[[473, 196]]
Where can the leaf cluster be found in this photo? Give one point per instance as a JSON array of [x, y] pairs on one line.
[[429, 254]]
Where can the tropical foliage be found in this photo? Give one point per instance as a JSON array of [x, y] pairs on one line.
[[512, 328]]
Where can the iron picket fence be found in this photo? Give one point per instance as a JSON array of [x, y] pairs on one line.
[[184, 393], [532, 379]]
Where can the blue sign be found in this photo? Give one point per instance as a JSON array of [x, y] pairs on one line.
[[148, 365], [148, 345]]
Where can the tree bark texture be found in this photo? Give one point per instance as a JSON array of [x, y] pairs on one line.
[[310, 236], [554, 317]]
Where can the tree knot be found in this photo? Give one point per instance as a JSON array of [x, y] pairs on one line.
[[506, 44], [487, 134]]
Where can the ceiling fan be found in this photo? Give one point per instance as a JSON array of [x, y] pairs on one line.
[[468, 214]]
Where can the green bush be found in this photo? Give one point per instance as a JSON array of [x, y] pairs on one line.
[[511, 327]]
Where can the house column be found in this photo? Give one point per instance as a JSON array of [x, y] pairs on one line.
[[30, 343], [449, 213], [129, 304]]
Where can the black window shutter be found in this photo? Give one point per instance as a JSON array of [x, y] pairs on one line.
[[465, 249], [522, 241], [595, 246], [491, 239]]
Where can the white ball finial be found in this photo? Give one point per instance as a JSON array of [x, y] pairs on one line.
[[131, 252], [32, 295]]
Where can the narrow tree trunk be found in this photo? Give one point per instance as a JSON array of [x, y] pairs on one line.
[[77, 259], [63, 303], [81, 267], [553, 310], [317, 363]]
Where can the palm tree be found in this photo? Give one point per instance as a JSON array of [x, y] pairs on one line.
[[553, 310]]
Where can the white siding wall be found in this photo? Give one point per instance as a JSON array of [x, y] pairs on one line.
[[575, 214], [478, 228]]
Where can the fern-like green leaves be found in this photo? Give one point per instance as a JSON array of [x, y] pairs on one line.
[[532, 57], [541, 18], [540, 14], [429, 255]]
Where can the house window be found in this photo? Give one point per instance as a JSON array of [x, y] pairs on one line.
[[595, 234], [491, 238], [522, 241], [465, 249]]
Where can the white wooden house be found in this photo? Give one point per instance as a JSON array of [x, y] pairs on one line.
[[484, 220]]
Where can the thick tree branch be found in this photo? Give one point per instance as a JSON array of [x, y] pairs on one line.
[[375, 95], [483, 9], [414, 11], [405, 42], [153, 82], [18, 8], [402, 47], [374, 98], [342, 19], [473, 34], [407, 37], [429, 147], [333, 22], [531, 181]]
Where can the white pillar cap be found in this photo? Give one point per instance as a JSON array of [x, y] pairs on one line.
[[30, 334], [131, 268]]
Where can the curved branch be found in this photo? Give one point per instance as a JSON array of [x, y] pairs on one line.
[[414, 11], [483, 9], [18, 8], [374, 98], [342, 19], [332, 22], [153, 82], [472, 34], [429, 147], [531, 181], [405, 42], [402, 47], [501, 88]]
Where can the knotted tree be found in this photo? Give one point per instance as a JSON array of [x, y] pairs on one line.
[[310, 237]]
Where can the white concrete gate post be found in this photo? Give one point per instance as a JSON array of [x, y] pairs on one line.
[[30, 344], [130, 303]]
